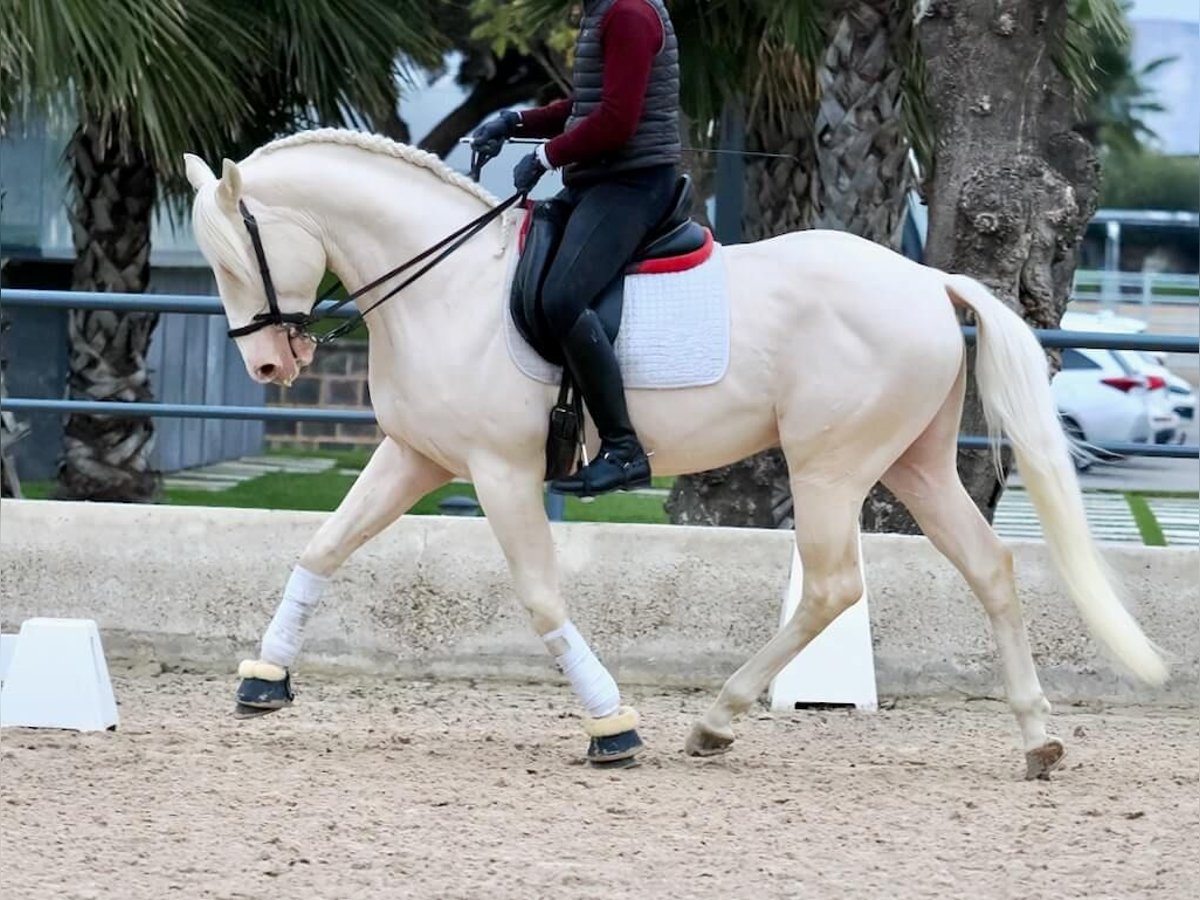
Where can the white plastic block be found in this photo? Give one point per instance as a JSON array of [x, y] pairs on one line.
[[838, 667], [58, 678], [8, 643]]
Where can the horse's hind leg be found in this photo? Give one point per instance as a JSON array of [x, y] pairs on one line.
[[511, 496], [925, 479], [827, 538], [392, 481]]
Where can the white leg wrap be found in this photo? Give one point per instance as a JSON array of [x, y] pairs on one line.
[[285, 634], [593, 684]]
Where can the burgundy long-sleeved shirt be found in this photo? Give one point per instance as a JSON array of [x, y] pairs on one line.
[[632, 35]]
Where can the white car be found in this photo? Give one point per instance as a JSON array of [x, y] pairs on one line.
[[1162, 420], [1100, 400], [1181, 395]]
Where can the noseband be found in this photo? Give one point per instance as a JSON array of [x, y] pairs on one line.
[[303, 321]]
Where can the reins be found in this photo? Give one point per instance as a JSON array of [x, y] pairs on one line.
[[305, 321]]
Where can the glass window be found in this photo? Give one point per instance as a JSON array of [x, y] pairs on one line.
[[1073, 359]]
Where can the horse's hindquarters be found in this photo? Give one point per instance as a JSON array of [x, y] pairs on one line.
[[841, 352]]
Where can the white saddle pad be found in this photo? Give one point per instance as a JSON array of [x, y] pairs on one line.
[[674, 329]]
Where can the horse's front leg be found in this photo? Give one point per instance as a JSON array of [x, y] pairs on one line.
[[512, 498], [394, 479]]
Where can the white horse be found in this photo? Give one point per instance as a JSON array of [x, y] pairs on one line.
[[843, 353]]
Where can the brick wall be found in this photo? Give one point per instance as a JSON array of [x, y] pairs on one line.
[[336, 380]]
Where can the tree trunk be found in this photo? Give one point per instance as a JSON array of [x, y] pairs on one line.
[[850, 173], [107, 457], [862, 177], [1013, 186]]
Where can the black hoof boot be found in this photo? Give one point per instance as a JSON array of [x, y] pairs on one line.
[[618, 751], [264, 688], [614, 740]]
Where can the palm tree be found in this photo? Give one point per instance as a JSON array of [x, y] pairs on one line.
[[141, 82]]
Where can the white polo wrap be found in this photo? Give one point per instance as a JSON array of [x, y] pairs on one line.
[[595, 687], [285, 635]]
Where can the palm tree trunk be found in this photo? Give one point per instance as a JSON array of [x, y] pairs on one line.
[[107, 457], [862, 176]]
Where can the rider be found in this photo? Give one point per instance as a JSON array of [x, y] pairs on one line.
[[616, 140]]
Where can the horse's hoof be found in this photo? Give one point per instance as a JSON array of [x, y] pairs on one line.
[[1043, 760], [264, 688], [616, 751], [614, 740], [706, 741]]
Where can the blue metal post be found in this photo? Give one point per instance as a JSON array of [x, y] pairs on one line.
[[556, 507]]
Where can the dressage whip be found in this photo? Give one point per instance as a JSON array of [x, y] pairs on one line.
[[467, 140]]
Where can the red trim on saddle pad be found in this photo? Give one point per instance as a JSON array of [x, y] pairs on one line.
[[525, 223], [664, 266], [679, 263]]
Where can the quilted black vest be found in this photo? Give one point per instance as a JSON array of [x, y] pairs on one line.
[[656, 140]]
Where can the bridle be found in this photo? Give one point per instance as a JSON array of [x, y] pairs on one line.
[[302, 322], [273, 316]]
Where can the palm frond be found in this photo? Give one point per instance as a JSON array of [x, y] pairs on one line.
[[337, 59], [759, 51], [152, 70], [1091, 25]]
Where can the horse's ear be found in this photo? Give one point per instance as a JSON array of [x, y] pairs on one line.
[[229, 188], [198, 172]]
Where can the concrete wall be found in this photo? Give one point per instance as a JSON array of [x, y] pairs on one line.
[[664, 605]]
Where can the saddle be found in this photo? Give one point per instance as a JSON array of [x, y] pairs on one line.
[[675, 244]]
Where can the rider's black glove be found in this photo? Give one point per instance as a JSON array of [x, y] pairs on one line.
[[527, 173], [490, 136]]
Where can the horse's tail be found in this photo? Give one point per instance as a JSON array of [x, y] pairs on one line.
[[1011, 371]]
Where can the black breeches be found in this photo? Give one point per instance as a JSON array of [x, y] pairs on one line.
[[607, 222]]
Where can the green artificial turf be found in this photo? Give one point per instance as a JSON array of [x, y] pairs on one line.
[[323, 491], [1152, 534]]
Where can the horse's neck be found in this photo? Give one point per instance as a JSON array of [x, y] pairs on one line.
[[382, 212]]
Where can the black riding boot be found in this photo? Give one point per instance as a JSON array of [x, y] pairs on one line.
[[622, 463]]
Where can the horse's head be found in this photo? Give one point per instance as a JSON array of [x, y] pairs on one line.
[[293, 256]]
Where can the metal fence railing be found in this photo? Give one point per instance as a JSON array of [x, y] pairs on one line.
[[212, 306], [1145, 288]]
